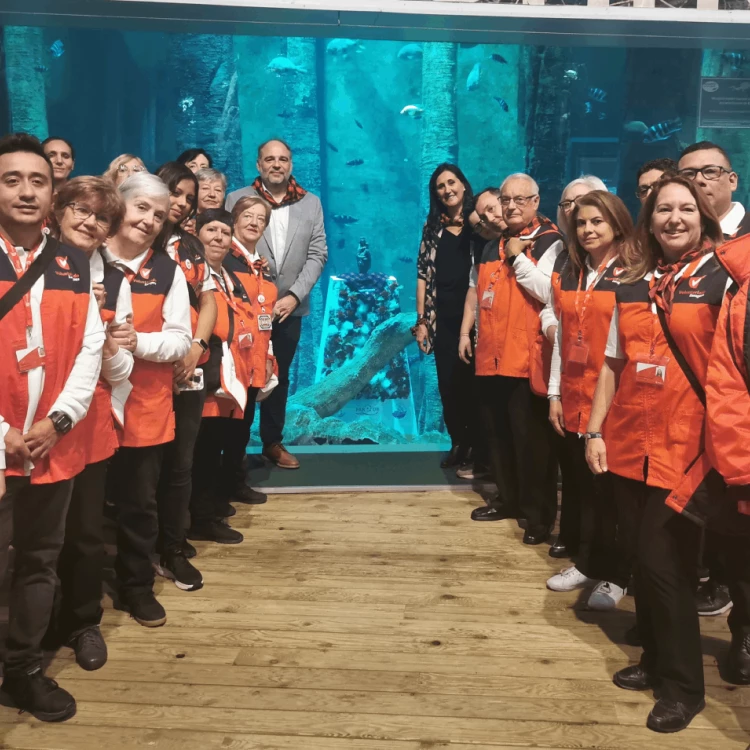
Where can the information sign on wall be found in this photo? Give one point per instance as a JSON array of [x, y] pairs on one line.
[[724, 103]]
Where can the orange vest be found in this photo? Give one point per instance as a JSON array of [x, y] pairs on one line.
[[656, 433], [149, 417], [64, 308], [509, 331], [578, 380], [193, 265]]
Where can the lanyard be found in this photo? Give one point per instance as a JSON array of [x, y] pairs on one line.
[[257, 271], [227, 295], [20, 269], [581, 308]]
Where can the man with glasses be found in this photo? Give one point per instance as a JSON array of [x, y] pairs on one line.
[[650, 173], [513, 284], [708, 165]]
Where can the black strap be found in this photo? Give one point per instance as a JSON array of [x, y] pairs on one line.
[[16, 293], [681, 361]]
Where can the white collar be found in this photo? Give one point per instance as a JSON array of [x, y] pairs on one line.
[[731, 222], [133, 265], [96, 264]]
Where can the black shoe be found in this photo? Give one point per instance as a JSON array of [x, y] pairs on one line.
[[145, 610], [214, 531], [39, 695], [248, 495], [492, 513], [634, 678], [225, 510], [712, 599], [90, 648], [536, 534], [454, 458], [672, 716], [174, 565], [738, 660], [558, 550], [188, 550]]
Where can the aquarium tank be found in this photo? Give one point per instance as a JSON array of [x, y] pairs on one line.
[[368, 121]]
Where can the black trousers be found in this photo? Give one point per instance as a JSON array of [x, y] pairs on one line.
[[218, 466], [285, 337], [36, 514], [134, 478], [81, 564], [588, 521], [521, 449], [666, 546], [175, 481], [455, 383]]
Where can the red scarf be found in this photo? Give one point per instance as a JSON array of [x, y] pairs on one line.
[[662, 289], [446, 220], [294, 193]]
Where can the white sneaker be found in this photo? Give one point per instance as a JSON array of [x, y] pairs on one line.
[[569, 579], [605, 596]]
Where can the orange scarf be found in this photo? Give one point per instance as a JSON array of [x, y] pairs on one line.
[[294, 193], [662, 289]]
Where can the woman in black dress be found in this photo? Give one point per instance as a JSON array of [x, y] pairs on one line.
[[443, 269]]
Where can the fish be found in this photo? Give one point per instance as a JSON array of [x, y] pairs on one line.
[[332, 147], [635, 126], [284, 66], [355, 162], [410, 52], [341, 243], [344, 219], [365, 187], [737, 59], [405, 259], [286, 114], [598, 95], [57, 48], [662, 130], [503, 104], [741, 87], [359, 124], [41, 69], [602, 115], [498, 58], [343, 47], [412, 110], [186, 103], [472, 82], [570, 75], [587, 108], [399, 413]]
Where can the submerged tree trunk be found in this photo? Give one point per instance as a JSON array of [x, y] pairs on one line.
[[24, 72]]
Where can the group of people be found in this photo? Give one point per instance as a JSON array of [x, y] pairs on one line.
[[613, 356], [142, 318]]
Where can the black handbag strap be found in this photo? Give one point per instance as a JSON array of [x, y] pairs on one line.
[[678, 355], [16, 293]]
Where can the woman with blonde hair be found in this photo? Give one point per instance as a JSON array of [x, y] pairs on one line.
[[122, 167]]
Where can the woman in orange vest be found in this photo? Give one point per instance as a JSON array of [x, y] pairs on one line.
[[237, 373], [173, 496], [88, 210], [161, 317], [651, 392], [584, 282]]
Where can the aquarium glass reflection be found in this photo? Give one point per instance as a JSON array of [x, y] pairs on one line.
[[368, 122]]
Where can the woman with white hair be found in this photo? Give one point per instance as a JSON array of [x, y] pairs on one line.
[[572, 192], [161, 318], [212, 189]]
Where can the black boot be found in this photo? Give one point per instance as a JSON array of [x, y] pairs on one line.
[[90, 648], [39, 695], [672, 716], [738, 660]]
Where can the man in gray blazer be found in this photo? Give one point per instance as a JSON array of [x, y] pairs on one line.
[[295, 244]]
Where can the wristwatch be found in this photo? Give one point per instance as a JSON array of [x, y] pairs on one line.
[[592, 435], [62, 422], [201, 343]]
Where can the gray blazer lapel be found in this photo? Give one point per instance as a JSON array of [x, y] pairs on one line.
[[294, 217]]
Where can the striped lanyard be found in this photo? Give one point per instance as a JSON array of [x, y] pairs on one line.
[[20, 268]]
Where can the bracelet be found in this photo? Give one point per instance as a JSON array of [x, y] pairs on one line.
[[465, 335], [592, 435], [553, 398]]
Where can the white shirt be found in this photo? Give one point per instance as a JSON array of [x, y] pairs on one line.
[[278, 229], [75, 398], [207, 285], [731, 222], [176, 336]]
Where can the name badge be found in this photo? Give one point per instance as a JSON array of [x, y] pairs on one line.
[[487, 300], [579, 353], [29, 359], [650, 370], [246, 340], [265, 323]]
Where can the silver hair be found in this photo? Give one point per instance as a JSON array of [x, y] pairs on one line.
[[589, 180], [208, 173], [522, 176], [144, 185]]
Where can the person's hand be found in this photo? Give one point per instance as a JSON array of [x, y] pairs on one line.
[[285, 307], [41, 438], [269, 370], [550, 333], [185, 368], [556, 416], [464, 349], [124, 335], [16, 450], [596, 455], [423, 340], [517, 245], [100, 294]]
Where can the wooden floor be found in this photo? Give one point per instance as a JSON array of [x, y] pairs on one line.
[[372, 622]]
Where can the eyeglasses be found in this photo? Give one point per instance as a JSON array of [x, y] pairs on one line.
[[82, 213], [567, 205], [519, 200], [125, 168], [711, 172], [643, 190]]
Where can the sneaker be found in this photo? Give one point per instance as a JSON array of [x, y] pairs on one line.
[[605, 596], [214, 531], [188, 550], [146, 610], [90, 648], [569, 579], [472, 471], [712, 599], [175, 566], [39, 695], [248, 495]]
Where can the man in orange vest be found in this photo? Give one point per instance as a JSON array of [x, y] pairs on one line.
[[514, 281], [51, 339]]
